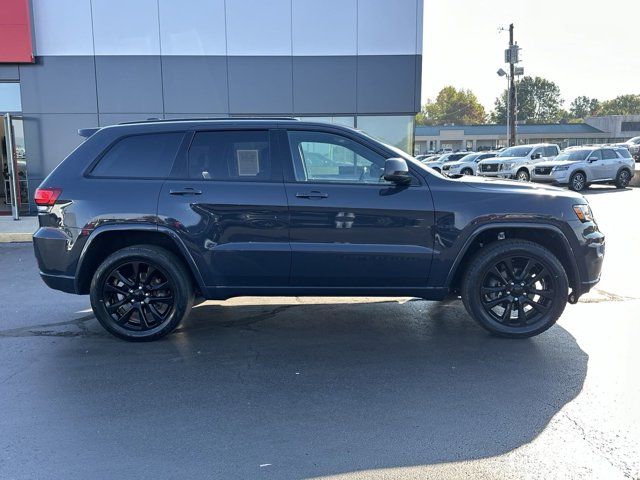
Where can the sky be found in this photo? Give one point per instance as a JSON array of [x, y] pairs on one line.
[[587, 47]]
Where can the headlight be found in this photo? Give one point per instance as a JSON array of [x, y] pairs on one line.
[[584, 213], [453, 167], [509, 165], [561, 168]]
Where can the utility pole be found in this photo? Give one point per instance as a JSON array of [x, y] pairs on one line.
[[513, 52]]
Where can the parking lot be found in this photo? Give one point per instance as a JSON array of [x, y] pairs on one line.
[[325, 387]]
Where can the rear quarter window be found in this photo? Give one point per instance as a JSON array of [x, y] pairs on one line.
[[625, 153], [140, 156]]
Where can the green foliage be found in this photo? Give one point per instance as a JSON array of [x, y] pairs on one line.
[[539, 101], [583, 107], [460, 107], [621, 105]]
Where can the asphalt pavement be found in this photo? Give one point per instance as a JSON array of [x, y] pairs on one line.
[[276, 388]]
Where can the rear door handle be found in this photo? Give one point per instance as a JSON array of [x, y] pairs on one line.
[[185, 191], [313, 194]]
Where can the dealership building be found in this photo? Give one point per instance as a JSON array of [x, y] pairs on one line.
[[594, 130], [70, 64]]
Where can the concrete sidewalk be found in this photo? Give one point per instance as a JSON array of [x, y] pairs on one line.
[[17, 230]]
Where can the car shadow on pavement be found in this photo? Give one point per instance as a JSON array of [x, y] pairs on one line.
[[599, 191], [300, 390]]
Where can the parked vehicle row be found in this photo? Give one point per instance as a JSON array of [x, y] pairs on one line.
[[576, 167]]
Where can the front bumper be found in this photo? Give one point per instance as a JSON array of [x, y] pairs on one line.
[[589, 254]]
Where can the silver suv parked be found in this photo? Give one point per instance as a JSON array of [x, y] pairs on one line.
[[467, 165], [515, 162], [436, 163], [579, 167]]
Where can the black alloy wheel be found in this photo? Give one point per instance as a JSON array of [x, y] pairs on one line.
[[138, 296], [141, 293], [515, 288], [467, 171]]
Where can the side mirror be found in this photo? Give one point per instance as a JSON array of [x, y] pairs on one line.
[[592, 159], [396, 170], [536, 156]]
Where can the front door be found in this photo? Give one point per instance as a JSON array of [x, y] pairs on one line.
[[226, 201], [349, 228]]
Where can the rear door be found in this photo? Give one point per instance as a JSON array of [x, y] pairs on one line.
[[610, 163], [349, 228], [226, 201]]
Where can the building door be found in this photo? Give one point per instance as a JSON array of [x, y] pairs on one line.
[[14, 187]]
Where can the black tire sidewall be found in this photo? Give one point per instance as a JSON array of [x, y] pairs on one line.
[[467, 171], [618, 181], [169, 264], [528, 177], [488, 256]]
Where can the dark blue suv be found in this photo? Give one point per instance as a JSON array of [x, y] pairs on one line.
[[149, 217]]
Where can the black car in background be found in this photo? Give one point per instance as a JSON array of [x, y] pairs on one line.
[[148, 217]]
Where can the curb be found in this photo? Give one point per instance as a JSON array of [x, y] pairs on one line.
[[15, 237]]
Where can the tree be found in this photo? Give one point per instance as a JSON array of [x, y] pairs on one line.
[[622, 105], [539, 101], [460, 107], [583, 107]]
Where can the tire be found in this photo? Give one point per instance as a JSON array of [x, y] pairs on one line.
[[125, 285], [492, 297], [466, 171], [523, 175], [623, 178], [577, 182]]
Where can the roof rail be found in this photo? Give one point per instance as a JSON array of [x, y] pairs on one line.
[[161, 120]]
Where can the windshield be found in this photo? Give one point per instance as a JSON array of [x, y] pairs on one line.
[[573, 155], [515, 152], [469, 158]]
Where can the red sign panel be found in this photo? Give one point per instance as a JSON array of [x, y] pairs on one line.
[[15, 32]]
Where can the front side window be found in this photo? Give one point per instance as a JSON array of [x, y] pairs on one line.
[[232, 155], [140, 156], [326, 157], [608, 154]]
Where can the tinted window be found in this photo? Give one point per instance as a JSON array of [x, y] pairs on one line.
[[607, 153], [550, 151], [456, 156], [325, 157], [624, 152], [140, 156], [241, 155], [597, 154]]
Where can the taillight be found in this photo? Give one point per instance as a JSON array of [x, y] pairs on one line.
[[46, 197]]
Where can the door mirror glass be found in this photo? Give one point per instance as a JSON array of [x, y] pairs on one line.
[[592, 159], [536, 156], [396, 170]]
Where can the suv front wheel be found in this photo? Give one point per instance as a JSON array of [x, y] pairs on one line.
[[515, 288], [141, 293]]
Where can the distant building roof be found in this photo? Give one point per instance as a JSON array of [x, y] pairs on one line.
[[552, 129]]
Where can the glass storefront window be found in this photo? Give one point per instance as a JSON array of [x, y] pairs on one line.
[[10, 97], [394, 130]]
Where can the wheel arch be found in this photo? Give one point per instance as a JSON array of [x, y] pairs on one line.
[[103, 241], [548, 236]]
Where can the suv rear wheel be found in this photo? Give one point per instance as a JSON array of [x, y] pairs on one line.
[[515, 288], [141, 293], [623, 178]]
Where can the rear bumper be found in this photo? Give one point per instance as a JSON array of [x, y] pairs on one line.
[[59, 282], [56, 252]]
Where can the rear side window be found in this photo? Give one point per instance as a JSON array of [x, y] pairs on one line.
[[607, 154], [140, 156], [550, 151], [625, 153], [236, 155]]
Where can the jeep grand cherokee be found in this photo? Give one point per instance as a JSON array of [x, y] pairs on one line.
[[145, 217]]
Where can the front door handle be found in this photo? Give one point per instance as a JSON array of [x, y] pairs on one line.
[[185, 191], [312, 194]]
